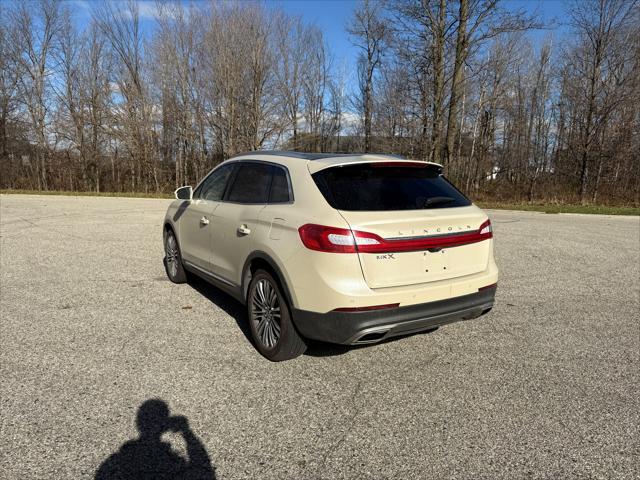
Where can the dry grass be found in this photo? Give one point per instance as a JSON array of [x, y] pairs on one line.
[[559, 208], [87, 194], [536, 207]]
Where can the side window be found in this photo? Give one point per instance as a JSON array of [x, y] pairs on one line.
[[213, 186], [251, 184], [279, 187]]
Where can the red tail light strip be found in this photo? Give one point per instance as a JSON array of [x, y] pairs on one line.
[[367, 309], [342, 240]]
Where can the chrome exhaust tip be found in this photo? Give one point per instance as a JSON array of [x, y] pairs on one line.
[[370, 337]]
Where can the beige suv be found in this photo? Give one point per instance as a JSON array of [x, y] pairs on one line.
[[348, 249]]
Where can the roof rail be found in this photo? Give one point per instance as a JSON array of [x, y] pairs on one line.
[[313, 156]]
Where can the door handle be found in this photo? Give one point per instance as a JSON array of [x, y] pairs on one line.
[[204, 221], [244, 230]]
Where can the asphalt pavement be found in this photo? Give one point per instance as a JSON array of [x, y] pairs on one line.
[[545, 386]]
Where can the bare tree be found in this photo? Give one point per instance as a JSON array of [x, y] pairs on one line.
[[114, 106], [438, 32], [35, 33], [292, 43], [423, 29], [177, 73], [133, 120], [83, 98], [477, 21], [337, 99], [369, 33], [9, 84], [315, 83], [600, 59]]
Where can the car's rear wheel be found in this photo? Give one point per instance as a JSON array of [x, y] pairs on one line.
[[173, 259], [272, 329]]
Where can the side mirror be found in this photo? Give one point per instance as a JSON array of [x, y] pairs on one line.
[[184, 193]]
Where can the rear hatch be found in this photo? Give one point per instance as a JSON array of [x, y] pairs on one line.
[[410, 224]]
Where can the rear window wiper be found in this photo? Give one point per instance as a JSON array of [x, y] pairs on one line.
[[437, 200]]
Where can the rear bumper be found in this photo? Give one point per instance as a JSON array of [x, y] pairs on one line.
[[373, 326]]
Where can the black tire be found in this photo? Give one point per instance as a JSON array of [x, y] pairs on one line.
[[173, 258], [264, 293]]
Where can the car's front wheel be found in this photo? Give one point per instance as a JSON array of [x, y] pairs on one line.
[[272, 329], [173, 259]]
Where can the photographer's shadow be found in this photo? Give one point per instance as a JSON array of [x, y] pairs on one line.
[[149, 457]]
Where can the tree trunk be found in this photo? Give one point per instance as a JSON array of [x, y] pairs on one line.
[[367, 115], [438, 82], [461, 54]]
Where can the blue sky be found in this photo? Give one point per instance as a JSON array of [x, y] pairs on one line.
[[332, 16]]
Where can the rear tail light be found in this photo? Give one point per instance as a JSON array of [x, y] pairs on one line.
[[336, 240], [485, 229], [344, 240]]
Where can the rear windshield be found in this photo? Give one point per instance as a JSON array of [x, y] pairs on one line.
[[387, 186]]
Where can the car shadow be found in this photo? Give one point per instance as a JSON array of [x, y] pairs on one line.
[[223, 300], [237, 311], [322, 349], [150, 456]]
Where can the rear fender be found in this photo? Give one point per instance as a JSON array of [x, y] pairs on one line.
[[246, 275]]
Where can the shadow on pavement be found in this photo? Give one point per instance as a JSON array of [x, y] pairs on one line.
[[322, 349], [149, 457], [236, 310], [225, 301]]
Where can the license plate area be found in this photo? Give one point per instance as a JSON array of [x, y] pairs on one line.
[[435, 262], [408, 268]]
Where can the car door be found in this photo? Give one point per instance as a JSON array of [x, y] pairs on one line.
[[236, 223], [195, 222]]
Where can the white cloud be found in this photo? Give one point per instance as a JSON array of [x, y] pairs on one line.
[[150, 9], [147, 9]]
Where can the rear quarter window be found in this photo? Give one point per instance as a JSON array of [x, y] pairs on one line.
[[280, 192], [387, 186]]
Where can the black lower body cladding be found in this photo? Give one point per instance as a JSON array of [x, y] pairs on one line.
[[375, 325]]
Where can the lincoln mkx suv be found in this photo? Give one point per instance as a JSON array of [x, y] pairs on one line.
[[348, 249]]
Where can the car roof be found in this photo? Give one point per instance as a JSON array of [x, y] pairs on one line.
[[320, 161], [314, 155]]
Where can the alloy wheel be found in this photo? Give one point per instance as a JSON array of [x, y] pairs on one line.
[[265, 313], [172, 255]]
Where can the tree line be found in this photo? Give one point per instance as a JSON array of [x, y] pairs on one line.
[[512, 113]]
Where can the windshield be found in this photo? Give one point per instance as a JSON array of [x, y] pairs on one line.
[[387, 186]]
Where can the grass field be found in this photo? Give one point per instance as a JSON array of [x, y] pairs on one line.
[[87, 194], [556, 208], [535, 207]]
